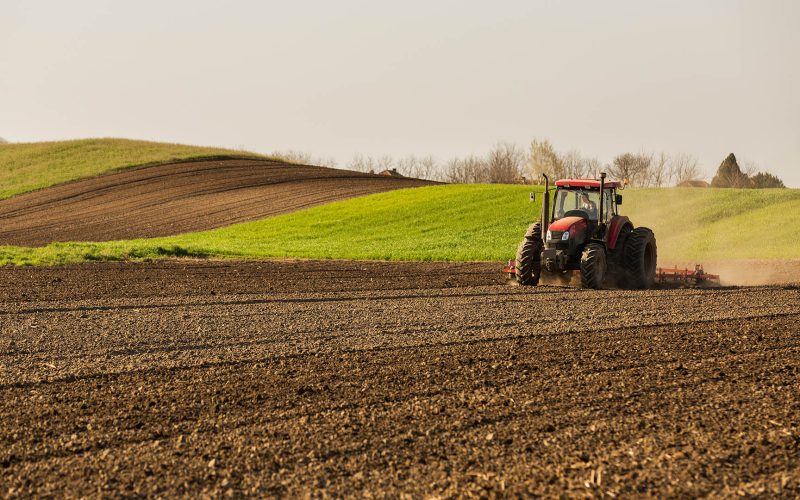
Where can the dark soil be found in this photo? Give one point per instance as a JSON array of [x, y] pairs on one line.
[[176, 198], [351, 378]]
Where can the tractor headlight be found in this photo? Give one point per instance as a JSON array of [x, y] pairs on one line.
[[565, 236], [549, 235]]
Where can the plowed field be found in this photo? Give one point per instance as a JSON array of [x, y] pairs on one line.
[[283, 378], [176, 198]]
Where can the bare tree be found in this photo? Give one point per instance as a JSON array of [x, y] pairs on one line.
[[369, 164], [504, 164], [427, 168], [469, 170], [658, 172], [544, 160], [384, 162], [592, 167], [329, 161], [632, 167], [573, 164], [361, 163], [477, 169], [455, 172], [407, 165], [420, 168], [683, 169], [294, 156], [576, 165]]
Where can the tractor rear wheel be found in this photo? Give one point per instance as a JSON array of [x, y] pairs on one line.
[[616, 258], [639, 258], [529, 256], [593, 266]]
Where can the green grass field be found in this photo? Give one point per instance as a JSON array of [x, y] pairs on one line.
[[29, 166], [467, 222]]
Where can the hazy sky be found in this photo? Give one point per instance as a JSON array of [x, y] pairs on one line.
[[446, 78]]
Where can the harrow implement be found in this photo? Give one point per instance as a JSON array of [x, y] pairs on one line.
[[686, 276], [664, 275]]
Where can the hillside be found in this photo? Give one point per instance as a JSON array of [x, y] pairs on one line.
[[29, 166], [174, 198], [469, 222]]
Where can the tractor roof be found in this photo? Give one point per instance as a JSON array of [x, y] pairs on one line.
[[587, 183]]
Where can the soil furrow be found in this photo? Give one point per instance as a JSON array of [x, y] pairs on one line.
[[445, 383]]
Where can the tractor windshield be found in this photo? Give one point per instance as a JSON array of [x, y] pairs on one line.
[[578, 202]]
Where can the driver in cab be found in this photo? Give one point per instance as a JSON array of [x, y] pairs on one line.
[[589, 206]]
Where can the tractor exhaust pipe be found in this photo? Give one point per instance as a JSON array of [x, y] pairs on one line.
[[602, 197], [545, 208]]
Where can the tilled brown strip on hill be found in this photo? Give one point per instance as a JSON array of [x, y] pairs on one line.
[[349, 377], [179, 197]]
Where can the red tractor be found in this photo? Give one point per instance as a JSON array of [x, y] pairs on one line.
[[585, 232]]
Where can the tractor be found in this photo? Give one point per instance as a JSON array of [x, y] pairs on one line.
[[585, 232]]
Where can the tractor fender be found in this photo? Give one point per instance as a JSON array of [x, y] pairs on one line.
[[618, 223]]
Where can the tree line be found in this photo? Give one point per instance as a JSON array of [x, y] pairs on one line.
[[508, 163]]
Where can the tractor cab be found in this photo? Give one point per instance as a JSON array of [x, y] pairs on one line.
[[582, 211], [581, 198]]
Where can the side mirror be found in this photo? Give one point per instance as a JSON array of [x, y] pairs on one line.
[[618, 199], [533, 197]]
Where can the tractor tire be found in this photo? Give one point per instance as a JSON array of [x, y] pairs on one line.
[[529, 257], [593, 266], [616, 259], [639, 259]]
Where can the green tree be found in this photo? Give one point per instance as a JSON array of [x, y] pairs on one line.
[[730, 175], [766, 180]]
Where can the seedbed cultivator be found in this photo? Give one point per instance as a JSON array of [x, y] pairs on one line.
[[686, 277], [667, 277]]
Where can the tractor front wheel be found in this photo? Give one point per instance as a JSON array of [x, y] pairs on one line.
[[639, 258], [593, 266], [529, 256]]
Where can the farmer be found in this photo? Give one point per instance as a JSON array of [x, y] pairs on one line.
[[589, 206]]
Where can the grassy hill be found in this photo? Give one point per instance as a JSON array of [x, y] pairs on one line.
[[30, 166], [469, 222]]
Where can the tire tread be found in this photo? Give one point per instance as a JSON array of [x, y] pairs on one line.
[[593, 266], [529, 257], [636, 276]]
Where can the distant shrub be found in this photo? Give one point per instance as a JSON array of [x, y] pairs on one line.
[[766, 180]]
